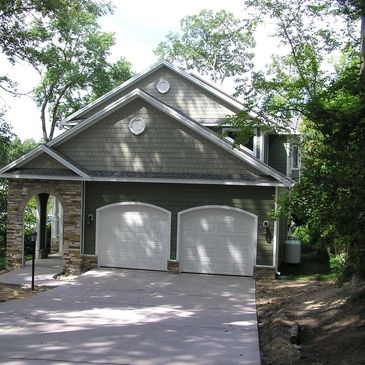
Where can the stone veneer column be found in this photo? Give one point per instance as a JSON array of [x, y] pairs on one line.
[[14, 232], [69, 193]]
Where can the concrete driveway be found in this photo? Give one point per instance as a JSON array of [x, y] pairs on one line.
[[134, 317]]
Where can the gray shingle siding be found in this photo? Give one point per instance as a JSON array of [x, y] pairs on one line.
[[183, 96], [166, 146], [44, 161], [175, 198], [277, 153]]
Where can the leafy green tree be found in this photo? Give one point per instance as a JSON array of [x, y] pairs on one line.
[[18, 38], [62, 41], [18, 148], [11, 148], [216, 44], [30, 219], [16, 34], [329, 99], [5, 140]]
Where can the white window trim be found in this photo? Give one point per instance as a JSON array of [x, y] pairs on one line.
[[289, 158]]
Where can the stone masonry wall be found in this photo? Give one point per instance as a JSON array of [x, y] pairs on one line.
[[69, 193]]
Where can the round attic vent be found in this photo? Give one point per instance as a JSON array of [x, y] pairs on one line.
[[137, 126], [163, 86]]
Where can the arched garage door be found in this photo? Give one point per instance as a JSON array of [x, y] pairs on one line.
[[133, 235], [217, 240]]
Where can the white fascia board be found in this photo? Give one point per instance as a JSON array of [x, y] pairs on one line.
[[40, 177], [116, 90], [241, 147], [204, 85], [22, 160], [198, 76], [246, 157], [184, 181], [37, 152], [65, 163], [142, 180], [211, 89], [96, 117]]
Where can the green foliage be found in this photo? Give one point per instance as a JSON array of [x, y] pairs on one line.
[[17, 148], [318, 80], [23, 22], [339, 265], [5, 140], [30, 219], [5, 136], [303, 234], [11, 149], [62, 41], [216, 44]]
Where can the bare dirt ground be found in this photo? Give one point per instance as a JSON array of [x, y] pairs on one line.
[[332, 321]]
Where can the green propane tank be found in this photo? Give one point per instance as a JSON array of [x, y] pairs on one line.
[[292, 251]]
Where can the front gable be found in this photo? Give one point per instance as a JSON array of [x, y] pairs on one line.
[[166, 148], [175, 146], [188, 94], [43, 162], [183, 95]]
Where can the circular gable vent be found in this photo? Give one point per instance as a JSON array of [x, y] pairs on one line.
[[137, 126], [163, 86]]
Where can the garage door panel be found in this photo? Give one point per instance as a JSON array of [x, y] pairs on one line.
[[135, 235], [217, 240]]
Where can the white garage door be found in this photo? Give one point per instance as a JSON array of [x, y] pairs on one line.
[[133, 235], [217, 240]]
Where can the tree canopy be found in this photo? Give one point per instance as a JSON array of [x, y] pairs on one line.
[[216, 44], [62, 41], [319, 82]]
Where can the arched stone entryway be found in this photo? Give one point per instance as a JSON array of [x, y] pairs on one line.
[[43, 214], [69, 193]]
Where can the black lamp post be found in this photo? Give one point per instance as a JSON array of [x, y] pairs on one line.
[[33, 240]]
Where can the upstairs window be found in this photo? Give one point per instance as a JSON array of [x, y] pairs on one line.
[[233, 134], [293, 161], [295, 158]]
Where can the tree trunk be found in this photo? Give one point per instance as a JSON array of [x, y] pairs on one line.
[[43, 121]]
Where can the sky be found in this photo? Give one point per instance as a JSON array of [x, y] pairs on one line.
[[139, 25]]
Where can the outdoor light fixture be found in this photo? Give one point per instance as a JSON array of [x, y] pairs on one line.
[[265, 224], [90, 218], [33, 236]]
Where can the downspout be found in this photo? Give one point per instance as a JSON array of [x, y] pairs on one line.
[[82, 238], [276, 235]]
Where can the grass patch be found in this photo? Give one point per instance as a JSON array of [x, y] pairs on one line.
[[313, 266]]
